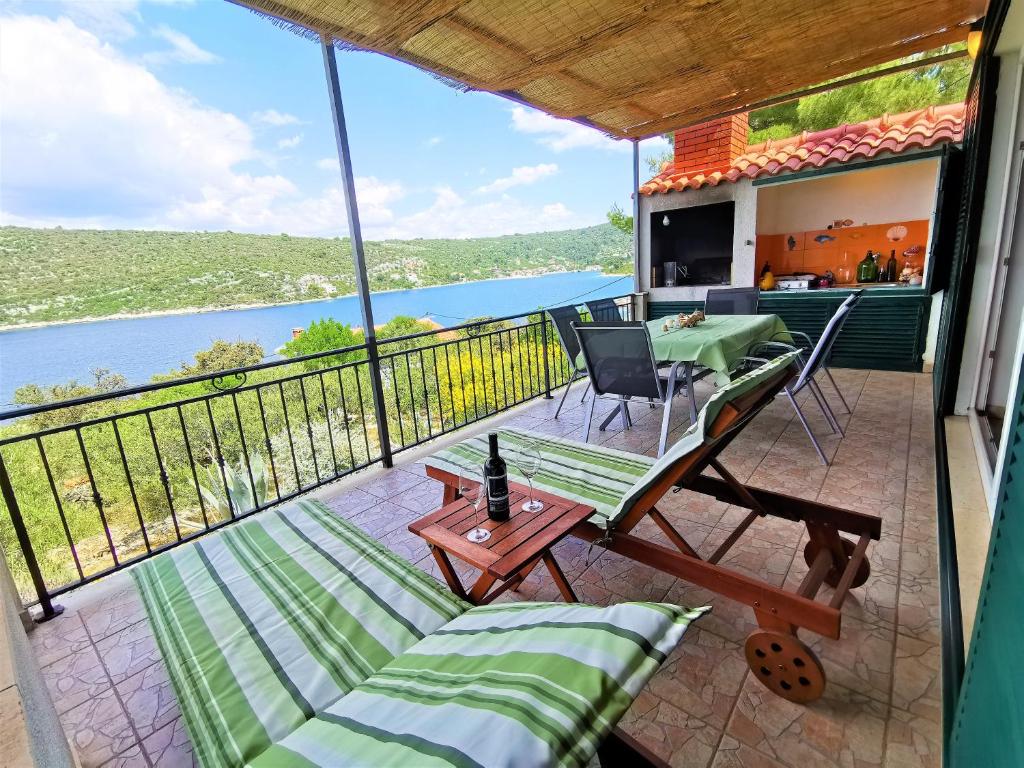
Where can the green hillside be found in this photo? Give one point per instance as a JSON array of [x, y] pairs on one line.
[[60, 274]]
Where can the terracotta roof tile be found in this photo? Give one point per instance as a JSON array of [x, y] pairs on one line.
[[892, 134]]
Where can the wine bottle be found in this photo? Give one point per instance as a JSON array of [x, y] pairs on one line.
[[496, 480], [890, 268]]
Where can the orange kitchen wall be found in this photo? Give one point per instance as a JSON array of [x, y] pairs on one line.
[[808, 255]]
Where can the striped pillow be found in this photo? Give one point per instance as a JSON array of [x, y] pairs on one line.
[[523, 684]]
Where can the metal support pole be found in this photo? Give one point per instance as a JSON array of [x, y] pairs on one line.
[[544, 352], [10, 500], [636, 216], [355, 234]]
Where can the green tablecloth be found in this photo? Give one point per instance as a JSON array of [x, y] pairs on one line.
[[716, 343]]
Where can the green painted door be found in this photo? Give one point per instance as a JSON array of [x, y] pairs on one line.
[[988, 729]]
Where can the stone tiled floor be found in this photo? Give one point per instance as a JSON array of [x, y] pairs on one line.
[[703, 708]]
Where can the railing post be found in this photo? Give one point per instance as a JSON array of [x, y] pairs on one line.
[[544, 352], [49, 609], [355, 234]]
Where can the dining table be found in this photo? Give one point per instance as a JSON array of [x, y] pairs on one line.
[[712, 346]]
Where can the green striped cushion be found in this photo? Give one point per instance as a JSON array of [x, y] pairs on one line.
[[270, 621], [527, 684], [590, 474], [611, 481], [697, 434]]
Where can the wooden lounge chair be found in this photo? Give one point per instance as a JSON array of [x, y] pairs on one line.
[[625, 488], [293, 638]]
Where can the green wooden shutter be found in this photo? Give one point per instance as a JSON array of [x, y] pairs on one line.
[[988, 729]]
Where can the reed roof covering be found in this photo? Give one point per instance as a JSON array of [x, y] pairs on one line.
[[634, 69]]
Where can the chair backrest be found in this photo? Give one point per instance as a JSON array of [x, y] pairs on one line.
[[732, 301], [620, 359], [699, 440], [602, 310], [563, 318], [822, 349]]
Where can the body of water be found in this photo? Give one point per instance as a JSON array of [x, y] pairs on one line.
[[139, 347]]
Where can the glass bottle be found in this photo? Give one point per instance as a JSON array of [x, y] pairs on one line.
[[867, 270], [843, 273], [891, 268], [496, 480]]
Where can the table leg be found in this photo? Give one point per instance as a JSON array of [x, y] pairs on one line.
[[445, 565], [449, 494], [559, 578], [608, 419], [688, 372], [480, 589]]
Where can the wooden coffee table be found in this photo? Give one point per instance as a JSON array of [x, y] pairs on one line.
[[515, 548]]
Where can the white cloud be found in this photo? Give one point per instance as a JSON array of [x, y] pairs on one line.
[[328, 164], [525, 174], [433, 141], [560, 135], [275, 118], [183, 50], [450, 215], [291, 142], [92, 138]]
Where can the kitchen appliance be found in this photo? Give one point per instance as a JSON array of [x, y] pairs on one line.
[[801, 282]]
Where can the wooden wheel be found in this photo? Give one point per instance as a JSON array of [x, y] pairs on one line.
[[835, 574], [785, 665]]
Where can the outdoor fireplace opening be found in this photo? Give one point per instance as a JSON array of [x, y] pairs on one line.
[[692, 246]]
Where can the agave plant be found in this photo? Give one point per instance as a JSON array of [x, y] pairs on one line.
[[238, 488]]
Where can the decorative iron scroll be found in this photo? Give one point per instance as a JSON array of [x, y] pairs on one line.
[[227, 383]]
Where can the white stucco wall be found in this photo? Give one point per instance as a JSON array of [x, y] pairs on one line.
[[902, 191], [744, 228]]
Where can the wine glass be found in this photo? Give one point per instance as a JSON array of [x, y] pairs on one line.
[[528, 460], [471, 488]]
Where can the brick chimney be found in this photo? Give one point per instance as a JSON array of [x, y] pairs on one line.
[[710, 146]]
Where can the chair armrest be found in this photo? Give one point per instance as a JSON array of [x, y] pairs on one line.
[[768, 347]]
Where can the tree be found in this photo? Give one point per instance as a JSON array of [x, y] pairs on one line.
[[620, 220], [222, 356], [403, 325], [901, 92], [322, 336]]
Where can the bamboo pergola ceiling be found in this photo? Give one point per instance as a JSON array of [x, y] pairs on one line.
[[634, 69]]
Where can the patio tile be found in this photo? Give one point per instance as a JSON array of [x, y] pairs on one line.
[[615, 578], [383, 518], [98, 729], [912, 742], [918, 610], [677, 737], [406, 544], [842, 728], [132, 757], [765, 560], [734, 754], [351, 502], [53, 640], [114, 605], [75, 679], [861, 660], [149, 699], [129, 651], [702, 676], [917, 678], [422, 498], [169, 746], [391, 483]]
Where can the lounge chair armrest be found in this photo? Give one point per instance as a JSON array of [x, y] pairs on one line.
[[794, 334], [770, 349]]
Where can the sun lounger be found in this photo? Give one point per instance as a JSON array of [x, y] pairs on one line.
[[624, 488], [293, 638]]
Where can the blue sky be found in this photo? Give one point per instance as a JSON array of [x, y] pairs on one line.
[[202, 116]]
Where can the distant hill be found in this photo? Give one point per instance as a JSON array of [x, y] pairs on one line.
[[61, 274]]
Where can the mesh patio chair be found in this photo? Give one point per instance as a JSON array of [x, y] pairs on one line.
[[621, 365], [811, 364], [603, 310], [731, 301], [851, 301], [564, 318]]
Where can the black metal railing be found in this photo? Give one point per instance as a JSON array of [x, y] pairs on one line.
[[95, 484]]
